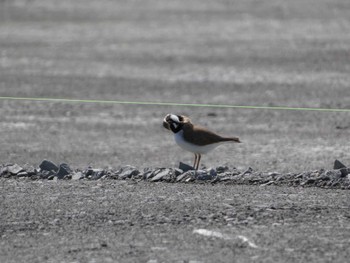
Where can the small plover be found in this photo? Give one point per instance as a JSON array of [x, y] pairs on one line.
[[193, 138]]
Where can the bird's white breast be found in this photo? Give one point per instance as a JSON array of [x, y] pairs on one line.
[[179, 139]]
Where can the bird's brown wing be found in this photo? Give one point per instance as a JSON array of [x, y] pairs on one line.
[[201, 136]]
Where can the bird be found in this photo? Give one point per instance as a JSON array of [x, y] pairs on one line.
[[193, 138]]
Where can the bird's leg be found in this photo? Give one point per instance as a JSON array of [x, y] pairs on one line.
[[198, 161], [195, 161]]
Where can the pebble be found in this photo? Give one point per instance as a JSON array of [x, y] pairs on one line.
[[205, 174], [185, 167], [147, 174], [178, 171], [77, 176], [12, 169], [181, 177], [338, 165], [127, 172], [336, 178], [22, 174], [48, 166], [63, 170], [248, 171], [222, 169], [163, 174]]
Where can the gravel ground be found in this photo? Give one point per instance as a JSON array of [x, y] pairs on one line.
[[130, 221], [338, 177], [51, 213]]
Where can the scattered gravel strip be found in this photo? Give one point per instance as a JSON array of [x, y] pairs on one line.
[[336, 178]]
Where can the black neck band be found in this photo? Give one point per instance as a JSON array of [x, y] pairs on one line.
[[176, 129]]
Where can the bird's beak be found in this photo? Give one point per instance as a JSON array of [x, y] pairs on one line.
[[166, 125]]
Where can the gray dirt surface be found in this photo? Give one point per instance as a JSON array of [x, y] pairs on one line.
[[125, 221], [258, 53]]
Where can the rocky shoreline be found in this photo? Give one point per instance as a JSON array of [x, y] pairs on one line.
[[338, 177]]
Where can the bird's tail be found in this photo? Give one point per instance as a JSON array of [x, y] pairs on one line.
[[231, 139]]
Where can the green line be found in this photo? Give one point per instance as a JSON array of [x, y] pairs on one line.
[[174, 104]]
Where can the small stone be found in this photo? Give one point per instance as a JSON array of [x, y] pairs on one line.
[[22, 174], [181, 177], [205, 174], [334, 174], [202, 175], [344, 172], [185, 167], [49, 177], [63, 171], [14, 169], [147, 174], [268, 183], [226, 178], [161, 174], [178, 171], [338, 165], [215, 180], [189, 179], [187, 175], [248, 171], [127, 172], [77, 176], [48, 166], [222, 169], [88, 172], [212, 172], [98, 175], [309, 181]]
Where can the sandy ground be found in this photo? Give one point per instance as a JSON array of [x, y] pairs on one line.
[[270, 53], [124, 221]]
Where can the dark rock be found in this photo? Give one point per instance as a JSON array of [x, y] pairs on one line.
[[88, 172], [344, 172], [178, 171], [48, 166], [205, 174], [63, 171], [94, 174], [212, 172], [185, 167], [338, 165], [310, 181], [97, 174], [162, 173], [50, 177], [202, 175], [222, 169]]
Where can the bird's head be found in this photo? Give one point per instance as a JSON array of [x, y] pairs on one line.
[[174, 122]]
